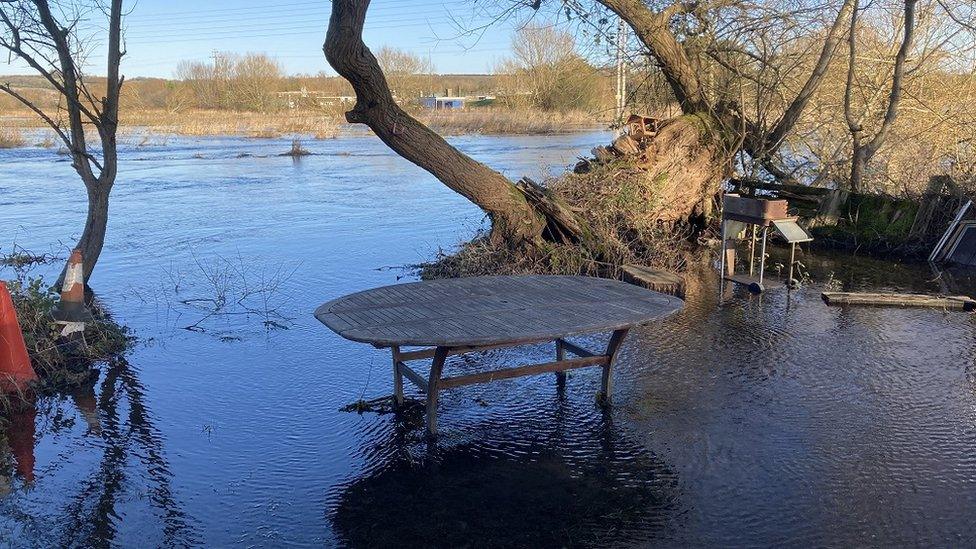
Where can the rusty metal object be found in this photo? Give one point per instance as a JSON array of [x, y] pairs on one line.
[[756, 211]]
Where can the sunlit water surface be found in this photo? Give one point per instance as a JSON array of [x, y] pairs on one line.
[[741, 421]]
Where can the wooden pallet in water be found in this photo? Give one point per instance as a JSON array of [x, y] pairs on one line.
[[950, 303]]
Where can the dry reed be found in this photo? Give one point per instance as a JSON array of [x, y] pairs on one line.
[[485, 120], [251, 124], [11, 138]]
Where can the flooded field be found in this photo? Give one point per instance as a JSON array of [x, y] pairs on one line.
[[742, 420]]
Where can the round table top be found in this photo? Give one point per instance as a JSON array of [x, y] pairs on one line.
[[492, 310]]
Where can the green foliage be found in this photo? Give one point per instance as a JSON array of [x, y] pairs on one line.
[[874, 224]]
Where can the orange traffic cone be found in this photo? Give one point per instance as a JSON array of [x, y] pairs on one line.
[[15, 367], [71, 310], [20, 436]]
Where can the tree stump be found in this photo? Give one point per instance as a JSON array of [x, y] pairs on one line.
[[654, 279]]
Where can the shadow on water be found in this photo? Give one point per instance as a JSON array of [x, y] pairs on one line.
[[132, 460], [508, 492]]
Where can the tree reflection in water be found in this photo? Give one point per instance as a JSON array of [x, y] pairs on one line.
[[507, 492], [132, 464]]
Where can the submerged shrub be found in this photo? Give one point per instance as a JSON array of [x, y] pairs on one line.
[[59, 365]]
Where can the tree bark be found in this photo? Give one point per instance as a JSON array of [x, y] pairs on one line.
[[93, 237], [514, 221], [691, 159]]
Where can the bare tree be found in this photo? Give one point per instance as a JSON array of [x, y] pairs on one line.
[[254, 79], [545, 64], [402, 70], [49, 42], [864, 147]]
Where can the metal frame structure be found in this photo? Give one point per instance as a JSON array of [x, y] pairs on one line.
[[782, 226]]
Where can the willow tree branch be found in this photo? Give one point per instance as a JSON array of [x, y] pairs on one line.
[[652, 29], [891, 114], [792, 114], [514, 220]]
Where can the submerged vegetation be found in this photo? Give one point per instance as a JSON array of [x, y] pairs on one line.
[[11, 138]]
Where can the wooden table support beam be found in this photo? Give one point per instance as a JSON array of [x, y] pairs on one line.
[[436, 382], [433, 388], [606, 385], [413, 376], [528, 370], [575, 349]]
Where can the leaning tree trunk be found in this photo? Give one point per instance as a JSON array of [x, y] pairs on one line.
[[513, 220]]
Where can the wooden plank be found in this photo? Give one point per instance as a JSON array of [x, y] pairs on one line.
[[531, 369], [421, 354], [953, 303], [413, 376], [573, 348]]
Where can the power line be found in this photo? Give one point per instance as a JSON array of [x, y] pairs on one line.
[[264, 7], [310, 26], [230, 14]]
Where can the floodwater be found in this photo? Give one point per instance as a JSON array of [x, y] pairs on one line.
[[743, 420]]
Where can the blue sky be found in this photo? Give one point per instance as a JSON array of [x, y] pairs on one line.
[[160, 33]]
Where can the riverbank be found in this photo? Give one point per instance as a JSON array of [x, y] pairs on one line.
[[317, 124]]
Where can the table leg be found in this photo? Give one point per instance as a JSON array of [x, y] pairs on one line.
[[397, 378], [560, 355], [606, 387], [433, 383]]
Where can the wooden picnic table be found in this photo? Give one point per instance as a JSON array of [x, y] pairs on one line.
[[461, 315]]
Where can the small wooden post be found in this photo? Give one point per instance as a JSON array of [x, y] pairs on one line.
[[606, 385], [397, 378], [560, 356], [433, 383]]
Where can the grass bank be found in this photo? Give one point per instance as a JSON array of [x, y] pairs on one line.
[[139, 124], [142, 124], [499, 121], [242, 123]]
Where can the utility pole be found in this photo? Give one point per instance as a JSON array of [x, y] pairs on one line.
[[621, 71]]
